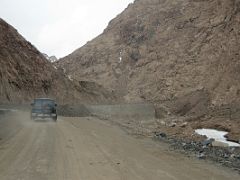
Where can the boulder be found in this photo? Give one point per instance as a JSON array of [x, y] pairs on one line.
[[219, 144]]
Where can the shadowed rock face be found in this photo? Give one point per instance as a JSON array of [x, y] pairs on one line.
[[160, 50], [25, 73]]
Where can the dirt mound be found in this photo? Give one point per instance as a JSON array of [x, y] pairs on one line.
[[73, 111], [193, 104]]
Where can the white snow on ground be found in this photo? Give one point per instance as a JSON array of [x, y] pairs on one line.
[[120, 56], [217, 135], [54, 67], [120, 59]]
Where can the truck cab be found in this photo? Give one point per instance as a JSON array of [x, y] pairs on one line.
[[43, 108]]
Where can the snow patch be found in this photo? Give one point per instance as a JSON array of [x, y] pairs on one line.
[[120, 56], [217, 135], [55, 67]]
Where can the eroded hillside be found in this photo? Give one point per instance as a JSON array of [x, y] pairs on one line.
[[25, 74], [158, 50]]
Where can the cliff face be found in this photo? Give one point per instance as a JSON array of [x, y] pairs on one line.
[[26, 74], [162, 50]]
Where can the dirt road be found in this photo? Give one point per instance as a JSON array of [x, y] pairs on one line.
[[90, 149]]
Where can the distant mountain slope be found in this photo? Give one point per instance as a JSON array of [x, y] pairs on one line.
[[25, 73], [162, 50]]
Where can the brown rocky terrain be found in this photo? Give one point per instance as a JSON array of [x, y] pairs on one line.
[[181, 55], [26, 74]]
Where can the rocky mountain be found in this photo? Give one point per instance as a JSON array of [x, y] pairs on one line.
[[50, 58], [25, 74], [159, 50], [181, 55]]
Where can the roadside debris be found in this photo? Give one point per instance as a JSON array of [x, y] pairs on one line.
[[160, 135], [207, 149]]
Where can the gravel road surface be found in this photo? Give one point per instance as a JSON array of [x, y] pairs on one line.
[[91, 149]]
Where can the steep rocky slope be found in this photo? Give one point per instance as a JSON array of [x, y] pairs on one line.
[[181, 55], [25, 73], [158, 50]]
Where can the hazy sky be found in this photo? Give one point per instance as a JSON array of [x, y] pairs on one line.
[[58, 27]]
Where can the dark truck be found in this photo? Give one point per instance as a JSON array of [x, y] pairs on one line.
[[44, 108]]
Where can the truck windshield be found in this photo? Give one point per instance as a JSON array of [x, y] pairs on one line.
[[43, 102]]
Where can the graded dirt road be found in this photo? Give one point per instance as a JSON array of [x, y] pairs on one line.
[[90, 149]]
